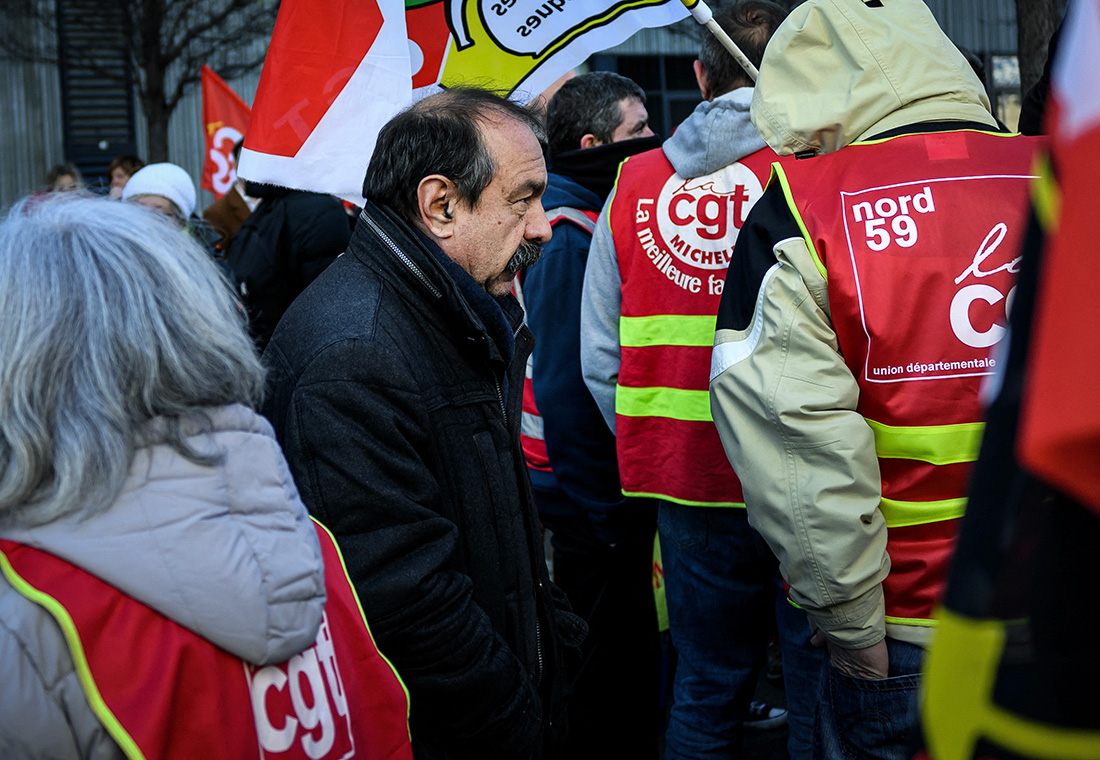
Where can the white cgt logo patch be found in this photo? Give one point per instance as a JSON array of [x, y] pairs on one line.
[[300, 706], [699, 218]]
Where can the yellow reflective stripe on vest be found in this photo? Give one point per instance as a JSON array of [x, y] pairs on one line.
[[1046, 195], [958, 708], [667, 330], [777, 174], [80, 660], [363, 615], [918, 622], [673, 403], [901, 514], [935, 444], [685, 502]]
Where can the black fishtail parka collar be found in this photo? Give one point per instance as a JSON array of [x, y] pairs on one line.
[[481, 322]]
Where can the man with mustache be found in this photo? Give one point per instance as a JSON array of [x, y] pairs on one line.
[[395, 390]]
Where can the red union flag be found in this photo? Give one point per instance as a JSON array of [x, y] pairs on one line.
[[1060, 419], [337, 70], [225, 120]]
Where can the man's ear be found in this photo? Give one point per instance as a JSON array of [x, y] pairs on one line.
[[703, 82], [437, 198], [590, 141]]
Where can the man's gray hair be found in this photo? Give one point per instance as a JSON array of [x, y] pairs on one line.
[[111, 317]]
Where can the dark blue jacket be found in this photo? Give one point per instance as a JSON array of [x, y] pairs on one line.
[[579, 444]]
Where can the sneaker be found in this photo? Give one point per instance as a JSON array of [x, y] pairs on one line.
[[762, 716]]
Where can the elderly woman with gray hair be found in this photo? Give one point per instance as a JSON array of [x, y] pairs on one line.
[[163, 592]]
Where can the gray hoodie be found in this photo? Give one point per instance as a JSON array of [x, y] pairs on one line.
[[717, 134], [226, 551]]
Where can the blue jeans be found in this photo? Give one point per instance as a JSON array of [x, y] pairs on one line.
[[724, 591], [866, 719]]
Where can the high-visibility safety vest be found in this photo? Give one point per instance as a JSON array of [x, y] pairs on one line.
[[919, 239], [531, 434], [162, 691], [674, 238]]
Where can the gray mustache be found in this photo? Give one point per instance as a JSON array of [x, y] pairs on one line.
[[526, 255]]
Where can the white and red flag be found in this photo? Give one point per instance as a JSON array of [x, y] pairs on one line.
[[337, 70], [1060, 416], [225, 120]]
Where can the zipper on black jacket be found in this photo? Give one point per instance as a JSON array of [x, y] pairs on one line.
[[401, 255], [546, 603], [500, 399], [496, 380], [538, 639]]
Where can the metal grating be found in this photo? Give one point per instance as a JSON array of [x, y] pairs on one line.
[[96, 96]]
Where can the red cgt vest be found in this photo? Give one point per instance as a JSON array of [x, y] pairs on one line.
[[919, 238], [162, 691], [674, 238]]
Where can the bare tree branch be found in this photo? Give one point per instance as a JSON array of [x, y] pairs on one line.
[[192, 33], [27, 25], [164, 41]]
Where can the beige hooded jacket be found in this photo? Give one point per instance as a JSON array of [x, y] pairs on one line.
[[784, 401]]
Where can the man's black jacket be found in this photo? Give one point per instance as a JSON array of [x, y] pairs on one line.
[[388, 391], [280, 248]]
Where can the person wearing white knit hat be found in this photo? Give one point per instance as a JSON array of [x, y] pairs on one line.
[[163, 187]]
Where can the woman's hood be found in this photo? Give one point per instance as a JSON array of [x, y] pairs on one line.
[[838, 71], [227, 551]]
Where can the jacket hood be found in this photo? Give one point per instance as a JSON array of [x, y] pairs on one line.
[[266, 191], [838, 71], [597, 168], [563, 191], [227, 551], [716, 134]]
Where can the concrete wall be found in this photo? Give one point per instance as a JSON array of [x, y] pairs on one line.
[[30, 124]]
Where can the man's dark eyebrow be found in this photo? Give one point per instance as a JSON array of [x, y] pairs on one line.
[[532, 187]]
